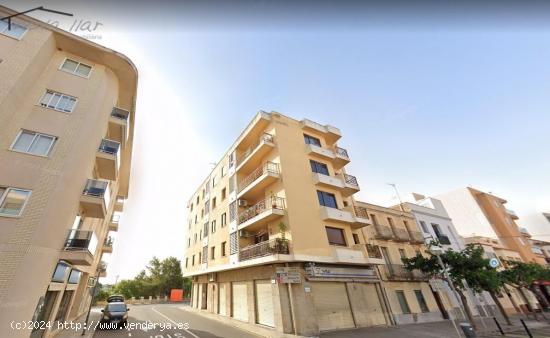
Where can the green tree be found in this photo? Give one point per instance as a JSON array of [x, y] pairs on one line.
[[468, 265]]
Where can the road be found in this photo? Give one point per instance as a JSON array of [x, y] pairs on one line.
[[191, 325]]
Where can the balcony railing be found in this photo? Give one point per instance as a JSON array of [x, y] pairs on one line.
[[383, 232], [115, 218], [401, 234], [361, 212], [444, 240], [266, 204], [341, 152], [416, 237], [108, 241], [81, 240], [267, 248], [266, 137], [109, 147], [268, 167], [374, 251], [398, 272], [351, 180], [95, 188], [102, 266], [120, 113]]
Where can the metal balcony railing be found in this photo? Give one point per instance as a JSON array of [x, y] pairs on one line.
[[102, 266], [401, 234], [444, 240], [397, 272], [382, 232], [267, 248], [268, 167], [109, 147], [108, 241], [266, 204], [374, 251], [341, 152], [361, 212], [95, 188], [115, 219], [265, 137], [120, 113], [81, 240], [351, 180], [416, 237]]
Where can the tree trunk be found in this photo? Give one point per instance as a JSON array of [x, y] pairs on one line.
[[467, 308], [500, 307], [529, 307], [542, 301]]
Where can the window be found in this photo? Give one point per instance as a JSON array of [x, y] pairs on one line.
[[374, 219], [336, 236], [198, 200], [76, 68], [213, 226], [232, 211], [224, 194], [402, 253], [205, 229], [318, 167], [437, 230], [205, 254], [195, 238], [355, 239], [74, 277], [58, 101], [214, 203], [312, 140], [421, 301], [223, 171], [200, 258], [33, 143], [212, 252], [60, 272], [13, 200], [189, 242], [327, 199], [193, 261], [17, 31], [196, 219], [403, 301], [214, 181], [192, 207], [424, 227], [186, 262], [233, 244], [224, 219], [390, 222], [223, 248]]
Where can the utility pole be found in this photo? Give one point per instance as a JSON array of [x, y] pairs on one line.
[[99, 269]]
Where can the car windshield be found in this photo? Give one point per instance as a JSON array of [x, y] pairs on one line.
[[117, 307]]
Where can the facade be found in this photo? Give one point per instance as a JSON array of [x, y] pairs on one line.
[[477, 213], [392, 236], [67, 110], [279, 208]]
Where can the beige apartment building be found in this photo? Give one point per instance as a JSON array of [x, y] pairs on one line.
[[66, 131], [275, 237]]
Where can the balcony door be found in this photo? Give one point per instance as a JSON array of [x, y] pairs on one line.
[[387, 258]]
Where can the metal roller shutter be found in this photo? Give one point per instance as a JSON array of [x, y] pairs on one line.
[[332, 305], [264, 303], [222, 306], [239, 301]]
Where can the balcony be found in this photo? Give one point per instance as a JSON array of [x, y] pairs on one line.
[[346, 184], [102, 268], [321, 152], [374, 251], [261, 213], [253, 155], [108, 159], [95, 198], [270, 247], [330, 133], [119, 203], [342, 216], [252, 186], [397, 272], [512, 214], [118, 124], [443, 240], [79, 248], [113, 224], [341, 157], [382, 232], [108, 245], [416, 237], [401, 235], [351, 186]]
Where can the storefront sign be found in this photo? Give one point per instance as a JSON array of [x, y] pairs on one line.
[[288, 275], [437, 284], [318, 271]]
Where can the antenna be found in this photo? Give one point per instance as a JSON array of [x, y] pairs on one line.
[[398, 196], [41, 8]]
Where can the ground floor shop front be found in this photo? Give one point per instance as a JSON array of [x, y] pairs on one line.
[[324, 298]]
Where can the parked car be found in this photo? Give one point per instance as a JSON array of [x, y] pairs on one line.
[[116, 313]]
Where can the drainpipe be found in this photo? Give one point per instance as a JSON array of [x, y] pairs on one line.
[[386, 301], [291, 303]]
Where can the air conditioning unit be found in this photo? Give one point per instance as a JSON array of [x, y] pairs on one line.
[[243, 203], [211, 277]]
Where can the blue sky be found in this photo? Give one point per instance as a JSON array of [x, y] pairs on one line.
[[431, 107]]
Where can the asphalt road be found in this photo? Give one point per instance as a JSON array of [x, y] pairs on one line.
[[177, 323]]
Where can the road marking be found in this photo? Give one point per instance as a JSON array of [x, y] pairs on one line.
[[173, 322]]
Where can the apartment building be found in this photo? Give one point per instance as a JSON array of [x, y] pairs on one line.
[[67, 111], [394, 235], [274, 236], [478, 213]]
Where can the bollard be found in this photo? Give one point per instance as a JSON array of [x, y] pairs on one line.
[[468, 330], [526, 328], [498, 325]]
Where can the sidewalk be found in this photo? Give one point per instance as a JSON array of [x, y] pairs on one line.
[[95, 316], [444, 329]]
